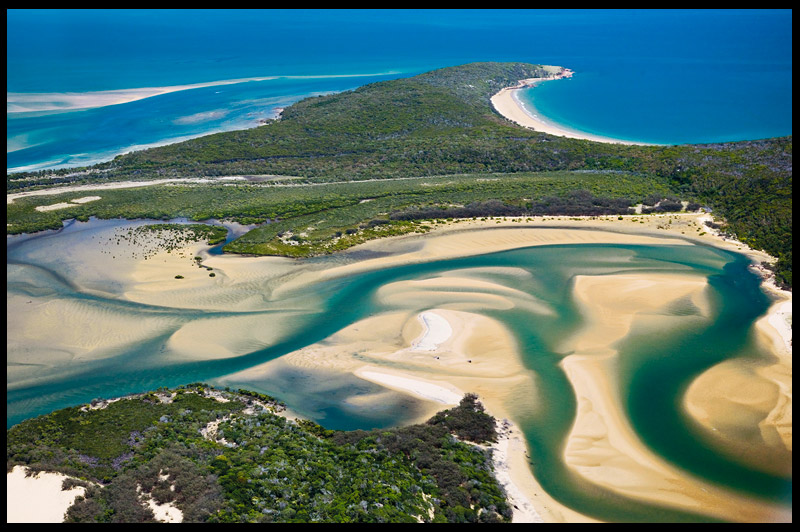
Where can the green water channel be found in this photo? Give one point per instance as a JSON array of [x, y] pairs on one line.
[[654, 370]]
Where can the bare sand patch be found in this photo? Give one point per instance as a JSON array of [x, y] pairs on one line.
[[86, 199], [53, 207], [37, 498]]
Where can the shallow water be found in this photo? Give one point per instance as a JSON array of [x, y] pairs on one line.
[[653, 373]]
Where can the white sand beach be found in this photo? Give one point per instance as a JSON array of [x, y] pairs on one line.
[[507, 103]]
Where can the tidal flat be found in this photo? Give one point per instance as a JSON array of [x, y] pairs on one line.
[[609, 346]]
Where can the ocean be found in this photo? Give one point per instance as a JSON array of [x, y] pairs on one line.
[[658, 76]]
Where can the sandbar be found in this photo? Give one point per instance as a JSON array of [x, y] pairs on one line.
[[602, 446], [24, 102], [477, 355]]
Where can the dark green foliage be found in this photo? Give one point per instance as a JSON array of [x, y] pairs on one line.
[[96, 443], [266, 469], [436, 124], [456, 468], [469, 421]]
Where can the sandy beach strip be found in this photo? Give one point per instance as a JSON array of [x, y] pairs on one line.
[[37, 498], [507, 103]]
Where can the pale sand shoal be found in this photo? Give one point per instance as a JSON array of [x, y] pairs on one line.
[[18, 102], [507, 103], [602, 446], [37, 498], [735, 396], [242, 280], [472, 353]]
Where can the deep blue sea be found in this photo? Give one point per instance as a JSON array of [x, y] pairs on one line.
[[671, 77]]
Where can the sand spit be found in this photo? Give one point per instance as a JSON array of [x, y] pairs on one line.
[[20, 102], [37, 498], [507, 103]]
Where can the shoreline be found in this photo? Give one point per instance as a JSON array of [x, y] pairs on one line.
[[54, 102], [493, 381], [507, 104]]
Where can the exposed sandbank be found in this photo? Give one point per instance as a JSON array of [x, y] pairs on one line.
[[478, 355], [602, 446], [507, 103], [744, 405], [24, 102]]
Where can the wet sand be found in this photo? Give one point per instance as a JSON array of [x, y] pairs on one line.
[[478, 355]]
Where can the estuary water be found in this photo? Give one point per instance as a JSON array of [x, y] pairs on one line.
[[661, 76], [654, 369]]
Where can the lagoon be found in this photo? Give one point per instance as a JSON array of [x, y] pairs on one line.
[[84, 325]]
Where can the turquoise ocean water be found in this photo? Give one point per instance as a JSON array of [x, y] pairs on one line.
[[655, 76]]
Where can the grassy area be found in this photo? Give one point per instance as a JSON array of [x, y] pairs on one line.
[[440, 124]]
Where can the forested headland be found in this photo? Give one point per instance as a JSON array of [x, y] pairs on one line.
[[336, 170]]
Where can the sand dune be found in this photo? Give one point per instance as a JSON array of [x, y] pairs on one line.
[[37, 498]]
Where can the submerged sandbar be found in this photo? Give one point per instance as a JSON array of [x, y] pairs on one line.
[[476, 355]]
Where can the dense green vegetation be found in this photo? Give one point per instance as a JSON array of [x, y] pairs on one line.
[[258, 467], [438, 124], [326, 217]]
